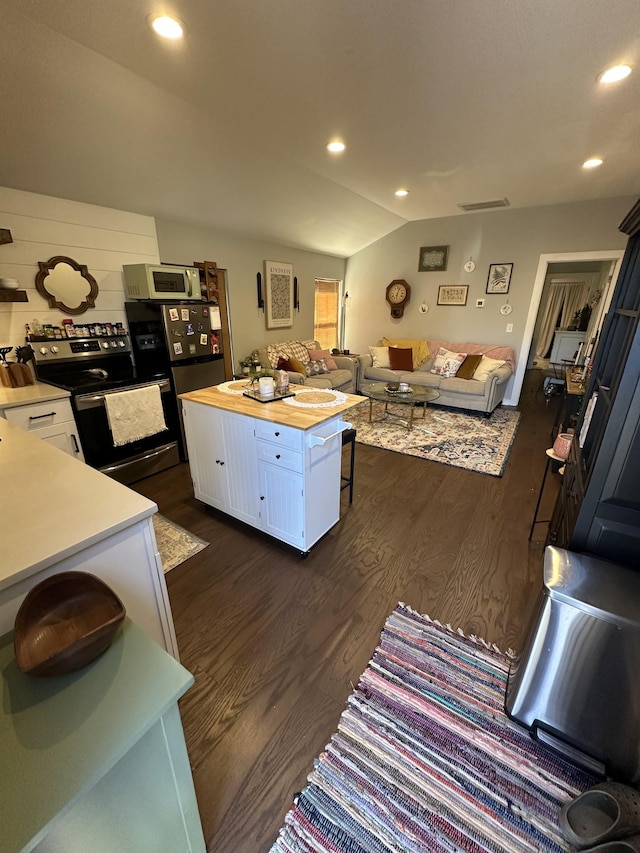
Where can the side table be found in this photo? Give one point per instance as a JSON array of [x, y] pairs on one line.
[[96, 759], [551, 457]]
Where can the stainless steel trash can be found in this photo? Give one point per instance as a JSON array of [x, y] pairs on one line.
[[576, 685]]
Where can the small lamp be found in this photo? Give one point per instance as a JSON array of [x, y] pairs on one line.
[[562, 445]]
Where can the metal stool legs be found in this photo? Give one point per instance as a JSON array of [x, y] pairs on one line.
[[349, 437]]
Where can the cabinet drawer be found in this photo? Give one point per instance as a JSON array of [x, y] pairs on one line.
[[283, 456], [37, 415], [280, 435]]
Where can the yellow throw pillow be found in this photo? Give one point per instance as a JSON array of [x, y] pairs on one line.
[[420, 348], [468, 367], [297, 366], [487, 365]]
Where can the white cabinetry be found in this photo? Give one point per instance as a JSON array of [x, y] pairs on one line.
[[52, 421], [280, 479]]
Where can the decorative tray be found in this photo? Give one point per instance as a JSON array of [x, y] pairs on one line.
[[396, 392], [277, 395]]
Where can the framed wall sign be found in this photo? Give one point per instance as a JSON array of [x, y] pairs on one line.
[[499, 278], [433, 258], [278, 286], [453, 294]]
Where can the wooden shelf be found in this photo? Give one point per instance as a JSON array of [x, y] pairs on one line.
[[13, 295]]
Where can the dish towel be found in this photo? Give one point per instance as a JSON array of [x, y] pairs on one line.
[[135, 414]]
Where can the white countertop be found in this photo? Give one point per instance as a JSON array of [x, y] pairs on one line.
[[53, 505], [39, 392]]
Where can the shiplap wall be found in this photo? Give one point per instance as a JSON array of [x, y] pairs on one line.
[[102, 238]]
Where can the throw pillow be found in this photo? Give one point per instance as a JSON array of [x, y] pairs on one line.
[[468, 366], [486, 366], [297, 366], [317, 354], [316, 367], [380, 356], [401, 359], [446, 363], [420, 348], [283, 364]]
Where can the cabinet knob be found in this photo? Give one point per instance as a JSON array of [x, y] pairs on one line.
[[277, 434], [261, 497], [277, 456]]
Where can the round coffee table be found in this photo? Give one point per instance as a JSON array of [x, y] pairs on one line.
[[417, 394]]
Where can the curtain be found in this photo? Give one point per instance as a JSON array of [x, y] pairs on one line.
[[568, 296]]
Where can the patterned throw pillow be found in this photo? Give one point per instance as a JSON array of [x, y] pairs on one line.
[[317, 354], [289, 349], [315, 368], [446, 363]]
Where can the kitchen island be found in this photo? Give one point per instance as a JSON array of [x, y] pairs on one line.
[[275, 465], [59, 514]]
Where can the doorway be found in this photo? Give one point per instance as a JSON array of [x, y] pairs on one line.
[[566, 259]]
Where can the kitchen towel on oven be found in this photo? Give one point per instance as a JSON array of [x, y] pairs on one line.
[[135, 414]]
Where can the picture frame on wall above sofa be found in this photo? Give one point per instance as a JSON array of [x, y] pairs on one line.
[[433, 258], [278, 282], [453, 294], [499, 278]]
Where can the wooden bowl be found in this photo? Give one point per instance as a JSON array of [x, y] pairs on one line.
[[65, 622]]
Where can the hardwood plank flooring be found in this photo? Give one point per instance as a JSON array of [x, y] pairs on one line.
[[275, 642]]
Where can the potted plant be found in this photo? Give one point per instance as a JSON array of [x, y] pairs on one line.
[[245, 365]]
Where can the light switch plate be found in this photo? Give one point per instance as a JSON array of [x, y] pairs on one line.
[[509, 327], [479, 303]]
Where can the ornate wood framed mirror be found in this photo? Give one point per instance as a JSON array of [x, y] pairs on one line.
[[66, 285]]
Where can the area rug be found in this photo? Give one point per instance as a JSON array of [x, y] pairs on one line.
[[463, 440], [175, 544], [426, 761]]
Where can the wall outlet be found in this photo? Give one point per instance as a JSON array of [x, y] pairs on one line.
[[509, 327]]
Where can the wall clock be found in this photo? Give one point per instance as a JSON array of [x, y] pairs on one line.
[[398, 294]]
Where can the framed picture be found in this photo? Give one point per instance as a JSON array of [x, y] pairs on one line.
[[278, 286], [433, 258], [499, 278], [453, 294]]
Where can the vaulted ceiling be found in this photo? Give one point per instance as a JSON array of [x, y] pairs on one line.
[[458, 101]]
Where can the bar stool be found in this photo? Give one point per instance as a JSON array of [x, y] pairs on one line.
[[349, 437], [558, 453]]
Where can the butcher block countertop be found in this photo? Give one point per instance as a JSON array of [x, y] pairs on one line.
[[54, 506], [39, 392], [277, 412]]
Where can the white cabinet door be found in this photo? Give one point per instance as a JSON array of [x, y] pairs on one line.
[[282, 504], [240, 467], [205, 446], [51, 421], [62, 436]]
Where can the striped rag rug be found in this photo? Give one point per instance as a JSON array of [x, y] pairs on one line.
[[425, 758]]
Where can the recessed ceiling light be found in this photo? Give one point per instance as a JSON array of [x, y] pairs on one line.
[[168, 28], [612, 75], [336, 146], [592, 163], [402, 192]]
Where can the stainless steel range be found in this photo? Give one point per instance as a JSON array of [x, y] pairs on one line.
[[91, 369]]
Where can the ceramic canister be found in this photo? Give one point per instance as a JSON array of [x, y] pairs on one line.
[[266, 386]]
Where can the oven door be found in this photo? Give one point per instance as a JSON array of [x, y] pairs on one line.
[[137, 459]]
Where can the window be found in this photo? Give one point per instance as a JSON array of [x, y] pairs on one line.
[[327, 316]]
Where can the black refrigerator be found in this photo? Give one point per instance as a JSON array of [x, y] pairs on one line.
[[179, 340]]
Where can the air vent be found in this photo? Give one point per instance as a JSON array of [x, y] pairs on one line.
[[485, 205]]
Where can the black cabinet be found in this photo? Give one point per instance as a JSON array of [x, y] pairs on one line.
[[598, 507]]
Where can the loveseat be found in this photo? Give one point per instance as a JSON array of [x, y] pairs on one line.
[[492, 366], [323, 370]]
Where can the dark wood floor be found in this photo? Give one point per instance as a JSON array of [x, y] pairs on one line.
[[276, 642]]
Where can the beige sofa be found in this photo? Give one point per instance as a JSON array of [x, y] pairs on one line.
[[470, 394], [344, 378]]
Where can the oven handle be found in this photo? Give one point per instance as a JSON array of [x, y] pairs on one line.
[[109, 469], [92, 401]]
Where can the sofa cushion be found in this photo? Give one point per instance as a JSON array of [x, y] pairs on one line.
[[317, 366], [468, 367], [464, 387], [317, 354], [287, 349], [446, 362], [486, 366], [401, 359], [380, 356], [420, 348], [422, 378], [381, 374]]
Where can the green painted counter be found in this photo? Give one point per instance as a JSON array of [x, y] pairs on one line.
[[96, 759]]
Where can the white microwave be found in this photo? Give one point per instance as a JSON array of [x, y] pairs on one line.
[[149, 281]]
